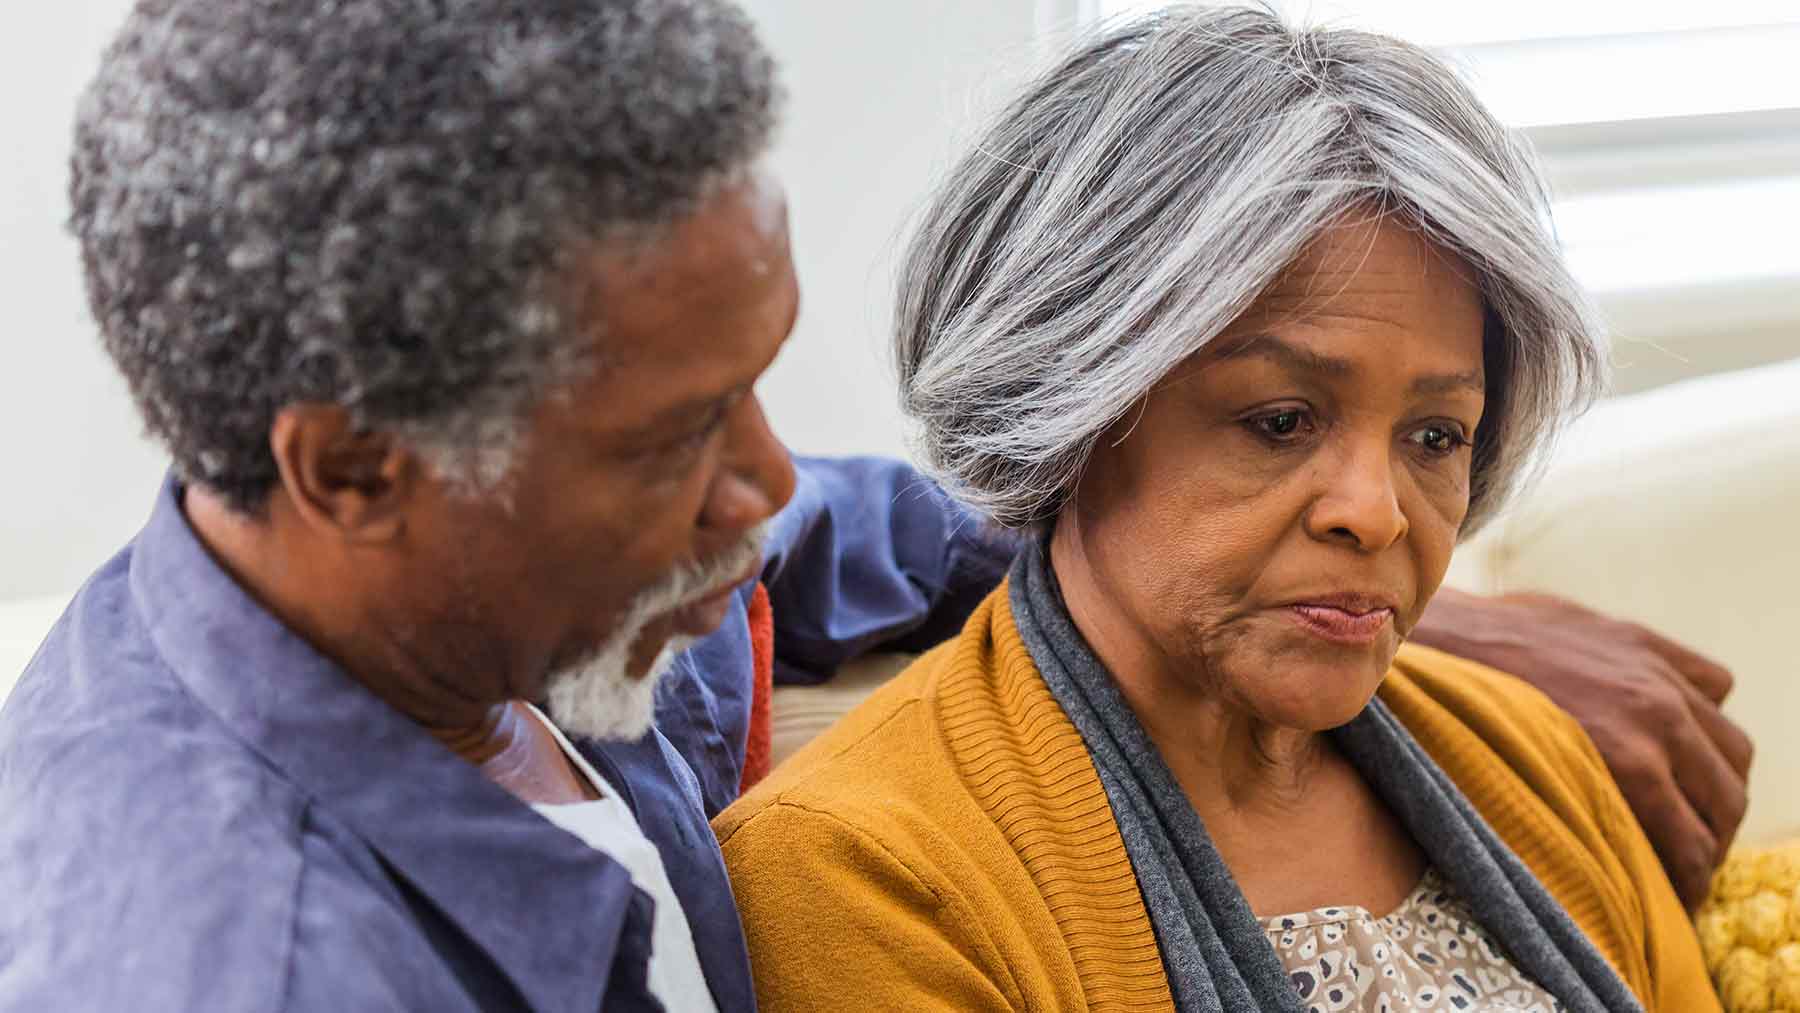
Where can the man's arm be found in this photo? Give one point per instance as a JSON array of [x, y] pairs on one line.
[[1650, 705], [871, 555], [868, 555]]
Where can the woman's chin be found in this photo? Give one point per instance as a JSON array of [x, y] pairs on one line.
[[1316, 717], [1314, 698]]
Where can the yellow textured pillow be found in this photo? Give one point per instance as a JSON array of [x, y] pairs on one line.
[[1750, 929]]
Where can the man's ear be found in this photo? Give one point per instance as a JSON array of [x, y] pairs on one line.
[[349, 483]]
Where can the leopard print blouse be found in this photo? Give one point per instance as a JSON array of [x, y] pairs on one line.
[[1429, 954]]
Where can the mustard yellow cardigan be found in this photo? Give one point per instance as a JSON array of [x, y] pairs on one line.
[[948, 844]]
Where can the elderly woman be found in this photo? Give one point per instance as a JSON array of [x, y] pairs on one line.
[[1246, 326]]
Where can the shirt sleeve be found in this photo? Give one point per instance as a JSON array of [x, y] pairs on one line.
[[871, 555]]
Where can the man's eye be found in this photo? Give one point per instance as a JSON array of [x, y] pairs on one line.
[[694, 438]]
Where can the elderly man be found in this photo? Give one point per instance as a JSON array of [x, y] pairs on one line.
[[450, 317]]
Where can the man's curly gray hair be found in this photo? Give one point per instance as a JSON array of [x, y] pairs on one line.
[[366, 203], [1138, 196]]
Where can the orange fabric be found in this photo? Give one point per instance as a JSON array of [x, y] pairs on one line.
[[948, 844], [762, 653], [1537, 779]]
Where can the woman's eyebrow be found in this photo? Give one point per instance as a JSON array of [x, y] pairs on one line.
[[1296, 359], [1449, 383], [1290, 356]]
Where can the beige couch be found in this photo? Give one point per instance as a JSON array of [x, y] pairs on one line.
[[1679, 507]]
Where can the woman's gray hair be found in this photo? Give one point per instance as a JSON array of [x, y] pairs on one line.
[[373, 203], [1138, 196]]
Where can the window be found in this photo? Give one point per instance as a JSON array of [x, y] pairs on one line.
[[1543, 62], [1670, 132]]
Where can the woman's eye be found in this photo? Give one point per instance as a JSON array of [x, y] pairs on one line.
[[1280, 425], [1439, 439]]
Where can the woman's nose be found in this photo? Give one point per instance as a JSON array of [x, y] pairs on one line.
[[755, 479], [1358, 503]]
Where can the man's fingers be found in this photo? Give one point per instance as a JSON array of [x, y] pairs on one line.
[[1719, 795], [1681, 836], [1713, 680], [1691, 860], [1710, 787], [1677, 781], [1732, 742]]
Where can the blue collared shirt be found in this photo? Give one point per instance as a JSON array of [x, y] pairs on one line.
[[199, 811]]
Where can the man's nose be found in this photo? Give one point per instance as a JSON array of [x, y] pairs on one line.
[[756, 477]]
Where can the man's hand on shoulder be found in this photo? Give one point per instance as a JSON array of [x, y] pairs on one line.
[[1650, 705]]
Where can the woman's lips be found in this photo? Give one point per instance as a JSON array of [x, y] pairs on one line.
[[1341, 625]]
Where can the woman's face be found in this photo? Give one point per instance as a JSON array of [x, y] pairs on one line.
[[1273, 520]]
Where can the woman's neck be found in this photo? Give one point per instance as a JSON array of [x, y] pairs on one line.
[[1274, 800], [1224, 756]]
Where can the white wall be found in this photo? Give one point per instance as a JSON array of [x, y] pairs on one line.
[[877, 91], [879, 96], [79, 479]]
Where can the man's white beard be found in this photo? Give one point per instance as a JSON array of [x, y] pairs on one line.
[[597, 698]]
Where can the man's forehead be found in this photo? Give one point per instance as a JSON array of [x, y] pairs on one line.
[[692, 315], [718, 259], [738, 217]]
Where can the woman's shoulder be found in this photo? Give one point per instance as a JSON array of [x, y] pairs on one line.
[[966, 751], [1501, 739], [938, 820], [881, 761], [1460, 682], [1434, 693], [925, 743]]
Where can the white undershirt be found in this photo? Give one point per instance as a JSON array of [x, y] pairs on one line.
[[608, 826]]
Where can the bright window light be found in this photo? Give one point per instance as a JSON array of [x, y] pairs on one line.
[[1598, 79], [1438, 23], [1544, 62], [1631, 240], [1670, 130]]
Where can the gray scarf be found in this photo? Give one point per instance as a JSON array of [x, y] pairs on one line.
[[1213, 947]]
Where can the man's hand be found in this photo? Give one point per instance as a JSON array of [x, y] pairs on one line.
[[1649, 704]]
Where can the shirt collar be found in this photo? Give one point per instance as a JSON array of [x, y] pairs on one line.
[[546, 908]]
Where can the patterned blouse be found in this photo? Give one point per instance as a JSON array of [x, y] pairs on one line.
[[1429, 954]]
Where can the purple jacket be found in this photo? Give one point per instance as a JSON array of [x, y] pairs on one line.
[[200, 812]]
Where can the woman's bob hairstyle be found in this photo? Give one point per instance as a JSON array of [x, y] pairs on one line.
[[1140, 194]]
